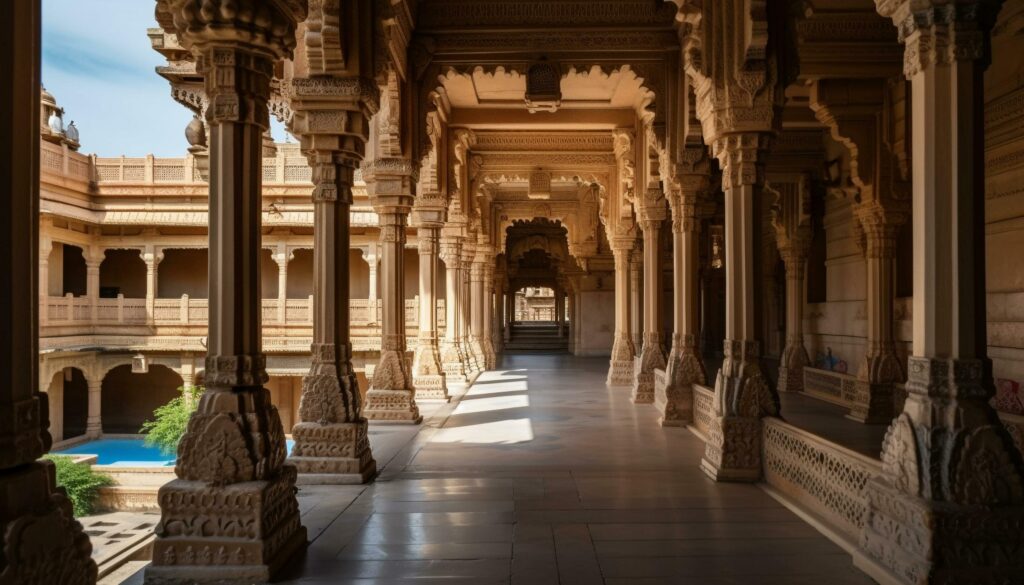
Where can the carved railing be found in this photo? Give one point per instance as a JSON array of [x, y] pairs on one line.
[[703, 409], [72, 310], [834, 387], [288, 167], [819, 476], [62, 161]]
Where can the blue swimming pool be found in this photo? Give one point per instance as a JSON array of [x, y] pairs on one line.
[[126, 452]]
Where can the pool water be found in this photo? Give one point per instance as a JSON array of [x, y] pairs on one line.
[[125, 452]]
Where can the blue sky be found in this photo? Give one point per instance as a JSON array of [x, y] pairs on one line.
[[98, 63]]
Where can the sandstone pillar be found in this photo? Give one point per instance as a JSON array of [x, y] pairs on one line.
[[510, 317], [41, 541], [490, 357], [636, 299], [427, 373], [652, 354], [94, 418], [471, 351], [477, 274], [231, 461], [152, 257], [791, 223], [684, 366], [93, 260], [331, 441], [452, 355], [281, 258], [742, 395], [620, 371], [391, 395], [949, 504], [881, 367], [45, 247], [373, 296], [497, 327]]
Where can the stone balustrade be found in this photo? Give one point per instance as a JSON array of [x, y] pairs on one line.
[[287, 167], [77, 311]]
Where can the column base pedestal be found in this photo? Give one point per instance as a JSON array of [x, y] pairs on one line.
[[333, 453], [651, 358], [238, 533], [673, 401], [620, 373], [873, 403], [791, 380], [643, 387], [733, 449], [912, 541], [393, 406], [431, 387], [673, 389], [42, 541]]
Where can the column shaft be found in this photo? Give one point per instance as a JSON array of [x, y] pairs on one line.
[[652, 354], [620, 370], [881, 367], [391, 395], [684, 366], [331, 440], [94, 419], [451, 350], [428, 374], [742, 395]]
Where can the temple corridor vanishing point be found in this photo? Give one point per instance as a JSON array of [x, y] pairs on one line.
[[537, 291]]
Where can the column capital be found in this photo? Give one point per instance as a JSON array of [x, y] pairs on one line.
[[652, 208], [940, 32], [880, 224], [740, 156]]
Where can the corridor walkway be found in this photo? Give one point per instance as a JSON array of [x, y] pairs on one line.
[[539, 474]]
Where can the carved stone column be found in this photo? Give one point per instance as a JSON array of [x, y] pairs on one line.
[[477, 275], [684, 366], [373, 294], [152, 257], [620, 370], [471, 351], [881, 367], [742, 395], [498, 313], [791, 223], [232, 475], [427, 373], [949, 504], [94, 418], [636, 299], [281, 258], [451, 347], [45, 247], [391, 395], [331, 443], [652, 354], [488, 310], [510, 309], [41, 541], [93, 260]]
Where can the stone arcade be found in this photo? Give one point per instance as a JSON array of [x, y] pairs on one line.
[[782, 225]]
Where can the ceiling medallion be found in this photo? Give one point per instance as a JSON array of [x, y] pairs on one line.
[[543, 87]]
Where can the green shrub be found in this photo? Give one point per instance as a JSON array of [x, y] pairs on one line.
[[170, 420], [81, 483]]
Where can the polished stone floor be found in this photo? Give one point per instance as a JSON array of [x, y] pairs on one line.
[[539, 474]]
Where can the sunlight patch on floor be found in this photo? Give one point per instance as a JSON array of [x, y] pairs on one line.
[[502, 432]]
